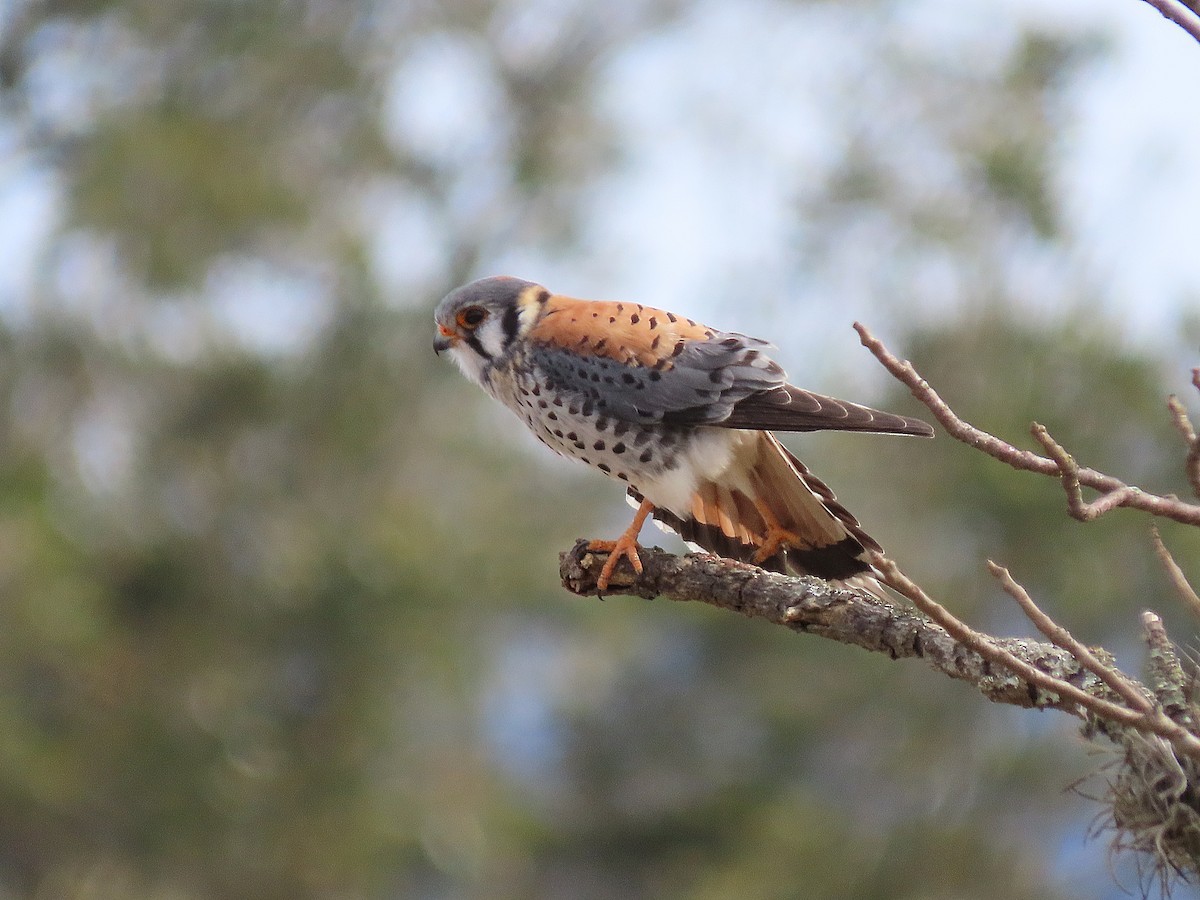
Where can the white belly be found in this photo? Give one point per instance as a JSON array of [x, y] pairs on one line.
[[708, 457]]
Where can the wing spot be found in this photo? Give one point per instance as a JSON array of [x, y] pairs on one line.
[[542, 404], [654, 343], [679, 345], [602, 423], [599, 445], [558, 401], [608, 379], [619, 429], [600, 344], [604, 467], [628, 378], [672, 318], [622, 476], [646, 456], [620, 308], [552, 416], [618, 448], [612, 320], [634, 319], [558, 432], [642, 437], [572, 436], [655, 375], [588, 407], [580, 445], [537, 390], [653, 324]]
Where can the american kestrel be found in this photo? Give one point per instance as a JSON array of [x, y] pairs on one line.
[[680, 412]]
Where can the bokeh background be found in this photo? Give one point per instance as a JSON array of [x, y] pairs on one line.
[[279, 610]]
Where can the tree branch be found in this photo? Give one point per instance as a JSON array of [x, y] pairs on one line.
[[1114, 492], [813, 606]]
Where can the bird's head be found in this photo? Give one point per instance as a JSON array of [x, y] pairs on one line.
[[479, 322]]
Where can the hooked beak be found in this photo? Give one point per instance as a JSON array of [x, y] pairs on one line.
[[444, 340]]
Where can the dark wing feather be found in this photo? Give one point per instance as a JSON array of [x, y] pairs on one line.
[[789, 408]]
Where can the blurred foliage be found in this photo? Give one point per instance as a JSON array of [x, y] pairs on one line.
[[279, 614]]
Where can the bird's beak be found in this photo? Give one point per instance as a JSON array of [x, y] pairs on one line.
[[445, 339]]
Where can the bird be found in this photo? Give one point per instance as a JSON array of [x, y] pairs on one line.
[[682, 414]]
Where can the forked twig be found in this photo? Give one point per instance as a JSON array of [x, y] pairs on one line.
[[1114, 492]]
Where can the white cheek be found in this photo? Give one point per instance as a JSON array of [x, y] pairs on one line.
[[468, 361]]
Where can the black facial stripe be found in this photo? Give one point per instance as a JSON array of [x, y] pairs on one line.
[[511, 322], [473, 343]]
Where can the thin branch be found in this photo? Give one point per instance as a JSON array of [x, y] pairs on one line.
[[1179, 581], [1117, 493], [1184, 426], [1111, 676], [1184, 19], [1143, 718]]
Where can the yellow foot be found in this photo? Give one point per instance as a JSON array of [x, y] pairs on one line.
[[625, 546], [616, 549], [774, 539]]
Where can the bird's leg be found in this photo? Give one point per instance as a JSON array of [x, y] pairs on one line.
[[775, 537], [626, 545]]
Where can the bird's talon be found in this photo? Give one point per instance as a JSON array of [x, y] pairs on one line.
[[622, 547], [775, 538]]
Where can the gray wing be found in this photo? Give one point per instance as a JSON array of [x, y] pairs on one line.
[[726, 381], [699, 384]]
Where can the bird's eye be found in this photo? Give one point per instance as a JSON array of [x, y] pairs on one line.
[[472, 316]]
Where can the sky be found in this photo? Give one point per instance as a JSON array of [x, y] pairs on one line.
[[660, 224]]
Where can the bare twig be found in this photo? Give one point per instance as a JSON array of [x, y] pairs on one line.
[[1184, 425], [1143, 716], [1181, 17], [1115, 492], [1179, 580], [1111, 676]]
